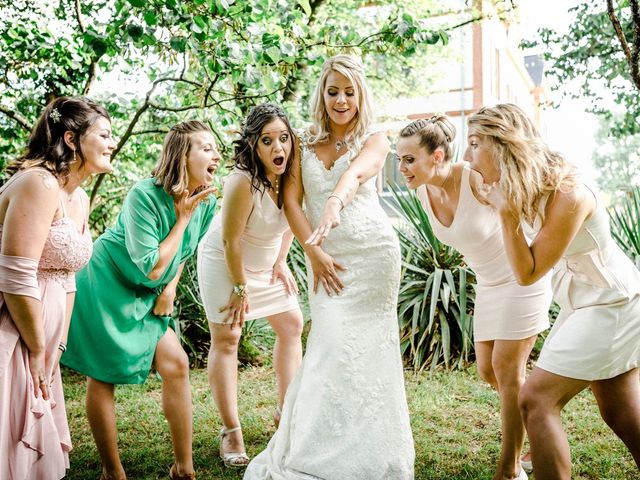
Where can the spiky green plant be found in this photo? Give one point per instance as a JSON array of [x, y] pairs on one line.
[[436, 292], [298, 266], [625, 224]]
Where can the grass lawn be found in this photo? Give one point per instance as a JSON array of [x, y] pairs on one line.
[[454, 417]]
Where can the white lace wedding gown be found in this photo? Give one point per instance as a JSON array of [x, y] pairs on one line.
[[345, 414]]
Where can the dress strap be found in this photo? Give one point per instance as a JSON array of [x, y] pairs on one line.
[[244, 173], [62, 207]]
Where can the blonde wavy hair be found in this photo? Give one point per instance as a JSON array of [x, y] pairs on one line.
[[529, 170], [435, 132], [352, 68]]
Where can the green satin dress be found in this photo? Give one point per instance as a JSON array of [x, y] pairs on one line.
[[113, 332]]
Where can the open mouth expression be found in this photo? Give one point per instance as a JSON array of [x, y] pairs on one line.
[[274, 146]]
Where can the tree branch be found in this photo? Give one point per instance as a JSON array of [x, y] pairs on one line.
[[93, 73], [631, 56], [83, 28], [618, 28], [635, 54], [15, 116], [149, 131], [174, 109]]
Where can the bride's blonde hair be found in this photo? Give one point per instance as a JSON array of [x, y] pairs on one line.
[[529, 169], [352, 68]]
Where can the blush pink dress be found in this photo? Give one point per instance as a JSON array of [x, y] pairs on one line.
[[34, 434]]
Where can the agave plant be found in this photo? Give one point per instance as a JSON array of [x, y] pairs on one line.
[[625, 224], [297, 264], [436, 292]]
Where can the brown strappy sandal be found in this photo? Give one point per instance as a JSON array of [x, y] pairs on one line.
[[173, 474]]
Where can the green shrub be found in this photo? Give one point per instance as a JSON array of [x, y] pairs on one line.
[[298, 266], [436, 293], [625, 224]]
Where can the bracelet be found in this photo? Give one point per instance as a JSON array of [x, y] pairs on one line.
[[62, 347], [339, 199], [240, 289]]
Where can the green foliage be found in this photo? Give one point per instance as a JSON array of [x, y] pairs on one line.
[[625, 224], [587, 57], [211, 59], [617, 160], [436, 295], [298, 266]]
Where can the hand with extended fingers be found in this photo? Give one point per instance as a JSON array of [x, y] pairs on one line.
[[237, 308], [185, 204], [329, 219], [282, 273], [325, 271]]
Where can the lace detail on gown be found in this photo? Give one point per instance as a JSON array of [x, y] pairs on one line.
[[345, 414]]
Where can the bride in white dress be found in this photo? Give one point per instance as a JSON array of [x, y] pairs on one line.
[[345, 414]]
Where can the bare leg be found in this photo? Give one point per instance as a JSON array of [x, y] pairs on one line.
[[619, 402], [222, 368], [101, 412], [542, 398], [287, 352], [172, 364], [509, 363], [484, 361]]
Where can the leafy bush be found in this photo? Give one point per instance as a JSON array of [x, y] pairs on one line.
[[436, 293], [298, 266], [625, 224]]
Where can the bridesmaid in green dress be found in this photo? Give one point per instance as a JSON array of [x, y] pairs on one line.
[[119, 327]]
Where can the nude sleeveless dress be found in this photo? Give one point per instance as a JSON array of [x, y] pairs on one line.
[[260, 244], [504, 310], [597, 333]]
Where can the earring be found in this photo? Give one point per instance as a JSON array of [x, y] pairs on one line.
[[74, 155]]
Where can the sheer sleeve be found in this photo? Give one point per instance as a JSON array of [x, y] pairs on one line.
[[141, 221]]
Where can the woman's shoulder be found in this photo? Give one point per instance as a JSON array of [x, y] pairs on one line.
[[237, 182], [374, 134], [148, 188], [37, 183], [570, 205]]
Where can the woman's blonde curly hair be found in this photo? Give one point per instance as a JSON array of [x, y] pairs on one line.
[[529, 170], [352, 68]]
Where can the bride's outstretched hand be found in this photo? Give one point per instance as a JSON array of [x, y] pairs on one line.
[[325, 271], [329, 219]]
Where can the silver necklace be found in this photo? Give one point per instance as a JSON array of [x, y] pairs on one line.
[[339, 143]]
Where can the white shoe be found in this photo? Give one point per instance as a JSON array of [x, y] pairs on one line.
[[523, 475]]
